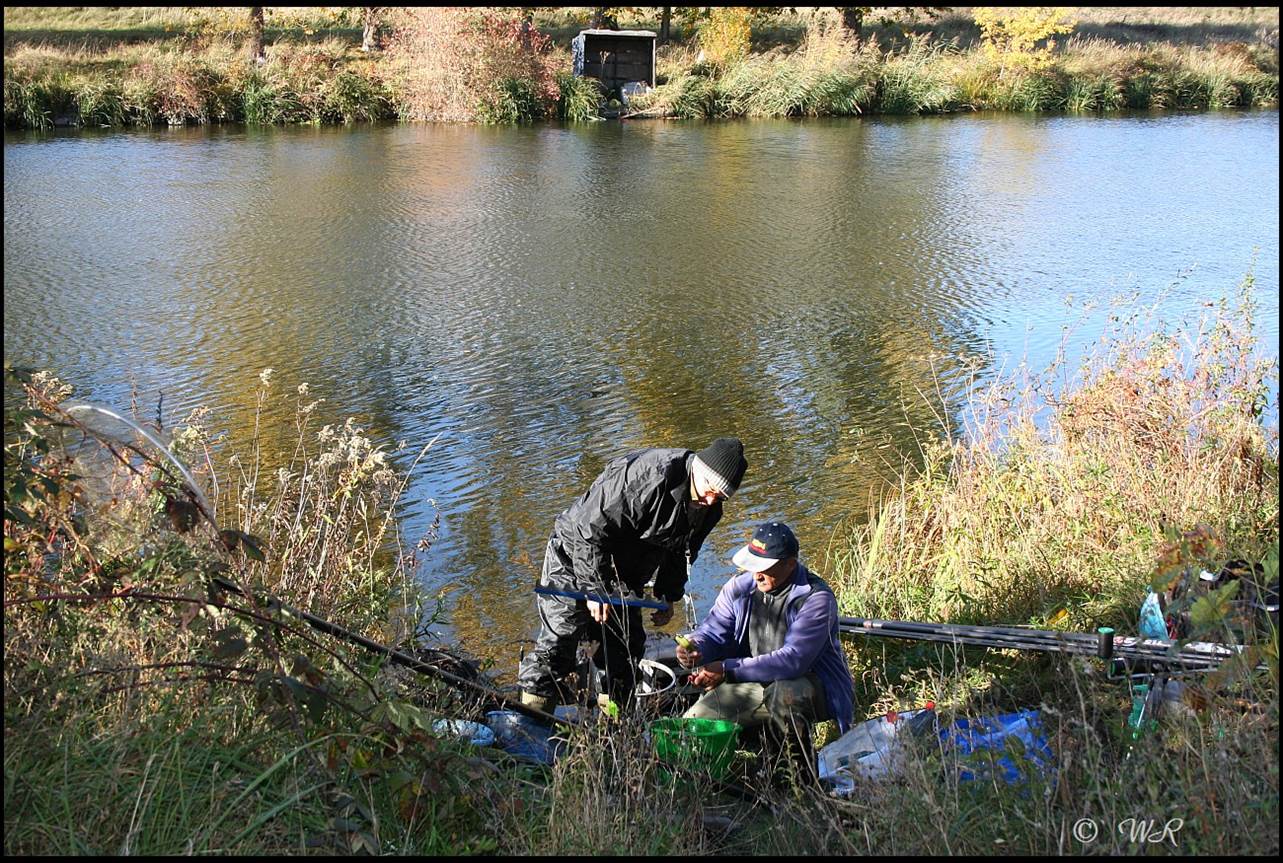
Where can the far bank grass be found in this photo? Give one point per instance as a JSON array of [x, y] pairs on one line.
[[139, 67], [828, 75]]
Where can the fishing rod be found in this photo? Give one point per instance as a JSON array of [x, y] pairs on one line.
[[397, 657], [1104, 645], [601, 598], [78, 414], [1197, 656]]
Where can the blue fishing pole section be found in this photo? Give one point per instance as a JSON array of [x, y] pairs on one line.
[[604, 600]]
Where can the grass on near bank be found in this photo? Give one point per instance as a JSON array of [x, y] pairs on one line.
[[153, 716], [1066, 494], [138, 66]]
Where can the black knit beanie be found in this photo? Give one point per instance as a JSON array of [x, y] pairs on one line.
[[724, 458]]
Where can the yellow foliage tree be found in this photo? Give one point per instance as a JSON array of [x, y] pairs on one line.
[[1010, 34], [724, 37]]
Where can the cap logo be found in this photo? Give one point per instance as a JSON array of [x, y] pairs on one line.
[[758, 545]]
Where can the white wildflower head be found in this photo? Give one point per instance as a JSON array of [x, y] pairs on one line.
[[266, 376], [302, 389]]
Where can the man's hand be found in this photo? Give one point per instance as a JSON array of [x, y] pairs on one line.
[[662, 616], [599, 611], [709, 677], [688, 656]]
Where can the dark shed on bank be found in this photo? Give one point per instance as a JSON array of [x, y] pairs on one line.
[[615, 57]]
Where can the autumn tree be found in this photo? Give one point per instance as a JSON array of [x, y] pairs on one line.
[[725, 36], [1011, 35]]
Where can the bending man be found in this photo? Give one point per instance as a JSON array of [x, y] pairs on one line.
[[644, 517], [769, 649]]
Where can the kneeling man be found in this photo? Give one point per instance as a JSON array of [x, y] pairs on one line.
[[769, 649]]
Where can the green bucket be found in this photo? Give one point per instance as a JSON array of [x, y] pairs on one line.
[[706, 745]]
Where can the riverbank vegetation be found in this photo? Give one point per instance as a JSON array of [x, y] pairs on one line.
[[134, 66], [149, 711], [1065, 496]]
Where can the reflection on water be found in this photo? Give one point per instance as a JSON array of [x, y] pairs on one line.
[[545, 298]]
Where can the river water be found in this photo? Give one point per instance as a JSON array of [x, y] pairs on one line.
[[542, 299]]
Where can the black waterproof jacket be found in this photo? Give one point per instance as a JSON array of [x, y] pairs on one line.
[[637, 519]]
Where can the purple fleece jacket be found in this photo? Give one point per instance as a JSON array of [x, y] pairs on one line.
[[810, 645]]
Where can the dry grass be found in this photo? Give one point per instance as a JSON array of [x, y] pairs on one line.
[[1061, 491]]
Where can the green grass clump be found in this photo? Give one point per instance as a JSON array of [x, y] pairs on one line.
[[916, 81], [686, 97], [352, 98], [512, 100], [263, 103], [578, 99], [100, 102]]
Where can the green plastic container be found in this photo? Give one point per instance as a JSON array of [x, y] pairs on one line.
[[706, 745]]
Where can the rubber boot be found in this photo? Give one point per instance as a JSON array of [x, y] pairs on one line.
[[789, 754]]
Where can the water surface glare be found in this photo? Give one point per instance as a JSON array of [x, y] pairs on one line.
[[541, 299]]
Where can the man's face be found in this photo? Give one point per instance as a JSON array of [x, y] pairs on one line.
[[707, 496], [777, 576]]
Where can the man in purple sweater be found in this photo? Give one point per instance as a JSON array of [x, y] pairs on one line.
[[768, 652]]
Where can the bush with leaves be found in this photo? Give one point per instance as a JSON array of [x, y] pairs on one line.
[[1011, 35], [726, 35]]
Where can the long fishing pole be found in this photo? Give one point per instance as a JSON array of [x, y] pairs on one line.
[[601, 598], [963, 629], [1197, 655], [403, 659]]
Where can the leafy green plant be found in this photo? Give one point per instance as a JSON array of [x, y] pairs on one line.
[[578, 99], [914, 82], [511, 100], [351, 98], [1011, 36]]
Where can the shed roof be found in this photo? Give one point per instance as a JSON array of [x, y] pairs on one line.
[[636, 34]]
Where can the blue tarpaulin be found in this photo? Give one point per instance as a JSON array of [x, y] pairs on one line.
[[995, 735], [525, 738]]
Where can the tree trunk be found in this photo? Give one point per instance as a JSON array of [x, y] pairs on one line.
[[370, 40], [852, 18], [665, 24], [254, 47], [601, 19]]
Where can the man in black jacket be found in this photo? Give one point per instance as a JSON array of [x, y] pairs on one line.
[[645, 517]]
